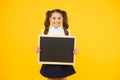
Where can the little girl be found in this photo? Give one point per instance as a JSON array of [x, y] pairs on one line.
[[59, 25]]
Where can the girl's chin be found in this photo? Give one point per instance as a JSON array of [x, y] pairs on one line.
[[56, 26]]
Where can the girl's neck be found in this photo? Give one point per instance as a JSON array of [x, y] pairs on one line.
[[56, 27]]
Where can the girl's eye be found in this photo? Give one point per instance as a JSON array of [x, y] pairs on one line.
[[59, 18], [54, 18]]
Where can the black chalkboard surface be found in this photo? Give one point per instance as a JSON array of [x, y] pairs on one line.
[[56, 50]]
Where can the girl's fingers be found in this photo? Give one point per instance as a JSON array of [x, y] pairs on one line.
[[37, 50], [75, 51]]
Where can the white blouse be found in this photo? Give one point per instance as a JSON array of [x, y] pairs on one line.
[[56, 31]]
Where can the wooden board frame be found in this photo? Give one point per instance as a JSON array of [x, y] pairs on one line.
[[57, 63]]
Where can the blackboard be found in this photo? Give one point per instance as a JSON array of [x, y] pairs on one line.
[[56, 50]]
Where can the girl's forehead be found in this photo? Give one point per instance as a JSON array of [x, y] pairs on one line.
[[56, 14]]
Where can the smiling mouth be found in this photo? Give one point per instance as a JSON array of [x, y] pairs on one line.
[[56, 23]]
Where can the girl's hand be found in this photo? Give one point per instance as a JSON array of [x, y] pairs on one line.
[[37, 50], [75, 51]]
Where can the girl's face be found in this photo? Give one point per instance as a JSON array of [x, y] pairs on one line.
[[56, 19]]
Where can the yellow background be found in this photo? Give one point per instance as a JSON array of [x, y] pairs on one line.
[[95, 23]]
